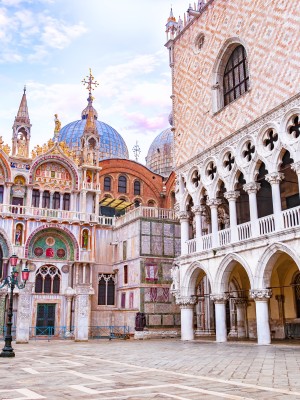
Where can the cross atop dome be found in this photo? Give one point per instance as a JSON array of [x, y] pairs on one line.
[[89, 82]]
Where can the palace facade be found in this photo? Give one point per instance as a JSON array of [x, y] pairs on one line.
[[236, 110]]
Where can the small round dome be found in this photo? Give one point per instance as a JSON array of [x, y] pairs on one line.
[[112, 145], [160, 154]]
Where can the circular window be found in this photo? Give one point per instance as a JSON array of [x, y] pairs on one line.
[[199, 42]]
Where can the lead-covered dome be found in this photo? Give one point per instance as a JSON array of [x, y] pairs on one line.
[[161, 153], [112, 145]]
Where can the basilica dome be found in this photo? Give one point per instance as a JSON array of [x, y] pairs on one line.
[[112, 145], [160, 154]]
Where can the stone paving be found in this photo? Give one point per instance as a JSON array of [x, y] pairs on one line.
[[154, 369]]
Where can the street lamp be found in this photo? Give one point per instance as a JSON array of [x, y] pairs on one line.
[[12, 281]]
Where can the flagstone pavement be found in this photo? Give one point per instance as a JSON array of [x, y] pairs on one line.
[[154, 369]]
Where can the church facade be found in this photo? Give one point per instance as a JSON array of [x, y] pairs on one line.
[[96, 230], [236, 110]]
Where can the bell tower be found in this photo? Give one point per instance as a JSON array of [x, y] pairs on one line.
[[21, 130]]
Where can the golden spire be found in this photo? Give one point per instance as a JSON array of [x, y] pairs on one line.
[[89, 82]]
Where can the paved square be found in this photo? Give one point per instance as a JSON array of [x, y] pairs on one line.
[[156, 369]]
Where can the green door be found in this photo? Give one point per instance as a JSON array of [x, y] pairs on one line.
[[45, 320]]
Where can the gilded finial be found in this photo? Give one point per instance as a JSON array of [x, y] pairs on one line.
[[89, 82], [136, 151]]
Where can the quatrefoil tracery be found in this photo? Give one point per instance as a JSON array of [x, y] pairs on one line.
[[195, 178], [229, 161], [211, 170], [270, 140], [250, 149], [295, 128]]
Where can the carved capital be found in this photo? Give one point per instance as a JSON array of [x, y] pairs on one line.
[[274, 177], [232, 195], [251, 187], [219, 298], [186, 301], [213, 202], [182, 215], [261, 294], [240, 300], [197, 209]]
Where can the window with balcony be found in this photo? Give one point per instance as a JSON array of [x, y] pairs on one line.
[[56, 200], [46, 199], [35, 198], [66, 201]]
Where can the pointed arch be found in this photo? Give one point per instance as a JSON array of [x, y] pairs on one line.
[[267, 261], [188, 283], [226, 267], [5, 244]]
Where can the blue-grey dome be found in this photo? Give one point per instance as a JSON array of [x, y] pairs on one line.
[[161, 152], [112, 145]]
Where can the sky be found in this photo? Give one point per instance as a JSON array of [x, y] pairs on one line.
[[49, 46]]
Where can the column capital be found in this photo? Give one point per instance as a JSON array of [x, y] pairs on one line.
[[261, 294], [186, 301], [213, 202], [251, 187], [296, 167], [183, 215], [197, 209], [274, 177], [232, 195], [219, 298], [240, 300]]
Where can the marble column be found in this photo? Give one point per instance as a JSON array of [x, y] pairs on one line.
[[69, 294], [220, 301], [41, 199], [232, 196], [29, 196], [61, 201], [197, 210], [97, 195], [184, 228], [51, 200], [24, 313], [187, 305], [213, 204], [274, 179], [83, 201], [261, 297], [252, 188], [82, 311]]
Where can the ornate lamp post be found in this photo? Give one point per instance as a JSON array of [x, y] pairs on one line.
[[12, 281]]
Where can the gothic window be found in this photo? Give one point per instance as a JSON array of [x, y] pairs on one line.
[[47, 280], [56, 200], [137, 188], [211, 170], [35, 198], [195, 178], [270, 140], [297, 294], [107, 183], [46, 199], [122, 184], [249, 150], [66, 202], [236, 75], [294, 130], [106, 290], [229, 161]]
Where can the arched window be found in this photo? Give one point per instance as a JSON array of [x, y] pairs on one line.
[[35, 198], [137, 203], [46, 199], [56, 201], [151, 203], [236, 75], [106, 290], [1, 193], [66, 202], [47, 280], [122, 184], [107, 183], [297, 294], [137, 188]]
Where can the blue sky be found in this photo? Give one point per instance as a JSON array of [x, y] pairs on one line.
[[49, 45]]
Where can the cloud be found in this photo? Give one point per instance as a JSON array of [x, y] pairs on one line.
[[33, 34]]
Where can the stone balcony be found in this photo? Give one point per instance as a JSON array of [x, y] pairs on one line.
[[145, 212], [257, 229], [53, 215]]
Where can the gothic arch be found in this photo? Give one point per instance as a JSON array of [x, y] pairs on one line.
[[61, 231], [5, 244], [267, 261], [5, 166], [225, 269], [188, 283]]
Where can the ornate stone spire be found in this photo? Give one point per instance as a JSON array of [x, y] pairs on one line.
[[171, 26], [21, 130]]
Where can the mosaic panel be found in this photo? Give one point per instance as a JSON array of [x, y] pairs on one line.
[[54, 174], [50, 247], [157, 295]]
